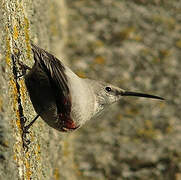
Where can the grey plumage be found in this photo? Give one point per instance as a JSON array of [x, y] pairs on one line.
[[62, 99]]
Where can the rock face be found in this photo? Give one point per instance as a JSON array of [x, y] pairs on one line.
[[133, 44]]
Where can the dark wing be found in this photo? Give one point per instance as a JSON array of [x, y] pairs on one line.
[[56, 73]]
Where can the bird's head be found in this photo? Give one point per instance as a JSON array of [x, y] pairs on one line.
[[107, 94]]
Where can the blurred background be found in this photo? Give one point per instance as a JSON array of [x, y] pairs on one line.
[[135, 45]]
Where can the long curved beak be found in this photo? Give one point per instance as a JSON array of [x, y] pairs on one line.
[[129, 93]]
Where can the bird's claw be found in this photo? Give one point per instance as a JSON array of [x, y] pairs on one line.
[[23, 68], [25, 130], [19, 76], [26, 141], [23, 119]]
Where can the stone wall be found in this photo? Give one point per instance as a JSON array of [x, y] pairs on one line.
[[50, 153]]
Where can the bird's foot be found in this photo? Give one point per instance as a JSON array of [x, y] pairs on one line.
[[23, 68], [26, 141], [25, 131]]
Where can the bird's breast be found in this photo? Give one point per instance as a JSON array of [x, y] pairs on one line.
[[82, 99]]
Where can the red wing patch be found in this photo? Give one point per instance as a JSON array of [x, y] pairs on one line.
[[67, 124]]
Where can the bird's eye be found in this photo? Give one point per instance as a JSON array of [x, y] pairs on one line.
[[108, 89]]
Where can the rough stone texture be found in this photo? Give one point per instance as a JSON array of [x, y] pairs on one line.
[[50, 153], [133, 44]]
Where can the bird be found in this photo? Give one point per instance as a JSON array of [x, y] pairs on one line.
[[64, 100]]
